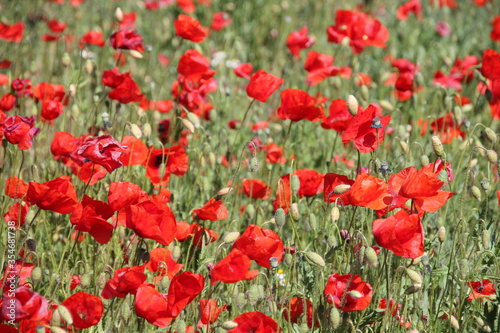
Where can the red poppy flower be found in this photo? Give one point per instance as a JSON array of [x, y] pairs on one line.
[[125, 281], [201, 236], [126, 92], [446, 127], [27, 305], [339, 116], [299, 105], [320, 66], [57, 195], [51, 110], [189, 28], [482, 289], [332, 181], [187, 6], [366, 129], [92, 38], [174, 160], [220, 20], [103, 150], [299, 40], [464, 68], [401, 233], [47, 91], [128, 20], [162, 263], [193, 66], [361, 30], [22, 87], [56, 26], [296, 307], [127, 39], [260, 245], [213, 210], [15, 188], [182, 290], [275, 154], [495, 32], [90, 173], [209, 311], [233, 268], [348, 292], [19, 130], [411, 6], [244, 70], [151, 219], [445, 3], [448, 81], [262, 85], [137, 153], [123, 194], [90, 216], [12, 33], [16, 214], [311, 183], [7, 102], [255, 322], [256, 189], [491, 64], [86, 309]]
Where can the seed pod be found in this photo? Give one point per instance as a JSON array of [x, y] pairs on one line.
[[485, 184], [341, 189], [295, 184], [176, 252], [371, 256], [229, 325], [442, 234], [492, 156], [231, 237], [254, 164], [414, 276], [31, 244], [490, 135], [36, 275], [352, 105], [437, 146], [476, 192], [335, 214], [486, 239], [315, 258], [65, 314], [280, 217], [334, 318]]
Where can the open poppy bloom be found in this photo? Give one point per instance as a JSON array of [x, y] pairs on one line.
[[137, 153], [57, 195], [298, 105], [19, 130], [162, 162], [262, 245], [262, 85], [348, 292], [233, 268], [401, 233], [366, 129], [15, 188], [213, 210], [209, 311], [255, 321], [86, 309], [16, 214], [162, 263], [361, 30], [244, 70], [92, 38], [482, 289], [28, 305], [103, 150], [91, 216], [298, 40], [220, 20], [12, 33], [7, 102], [297, 307], [189, 28], [127, 39], [411, 6], [256, 189], [319, 66], [125, 281]]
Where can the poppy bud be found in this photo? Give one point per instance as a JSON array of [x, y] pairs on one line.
[[448, 103], [454, 322], [146, 130], [334, 318], [136, 131], [355, 294], [315, 258], [352, 105], [486, 239], [361, 254], [404, 147], [485, 184], [424, 160], [66, 59], [181, 326], [240, 300], [482, 325], [231, 237], [102, 279], [118, 14], [288, 259], [125, 310], [250, 211], [212, 159], [492, 156], [85, 280], [386, 105], [229, 325], [40, 329], [194, 119], [371, 257], [56, 318], [437, 146], [476, 192], [55, 329], [280, 217], [472, 163], [337, 82], [36, 275], [176, 252], [188, 125], [459, 115], [31, 244], [464, 267], [295, 184], [312, 222], [65, 314], [365, 93], [332, 241], [419, 79], [490, 135], [254, 164], [294, 211], [341, 189], [335, 214], [89, 66], [414, 276], [442, 234], [225, 191]]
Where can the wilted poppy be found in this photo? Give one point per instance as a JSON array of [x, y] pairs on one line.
[[189, 28], [262, 245], [23, 304], [57, 195], [348, 292], [19, 130], [262, 85], [401, 233], [233, 268], [127, 39], [103, 150], [86, 309], [255, 322]]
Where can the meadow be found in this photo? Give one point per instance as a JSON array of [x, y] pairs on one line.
[[249, 166]]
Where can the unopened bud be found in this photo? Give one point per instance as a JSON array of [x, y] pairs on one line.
[[231, 237], [312, 222], [225, 191], [240, 300], [253, 294], [212, 159], [404, 147], [424, 160], [229, 325], [164, 282], [335, 214], [136, 131], [65, 314], [294, 211], [355, 294], [250, 211], [341, 189], [315, 258], [55, 329], [490, 135], [476, 192], [36, 274], [194, 119], [89, 66], [414, 276], [288, 259], [146, 130], [472, 163], [454, 322], [125, 310], [352, 105], [365, 93], [295, 184], [136, 54], [414, 288], [254, 164], [188, 125], [176, 252], [371, 256], [118, 14], [334, 318], [442, 234], [102, 279], [437, 146], [85, 280], [485, 184], [386, 105], [492, 156], [180, 326], [66, 59], [280, 217], [486, 238]]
